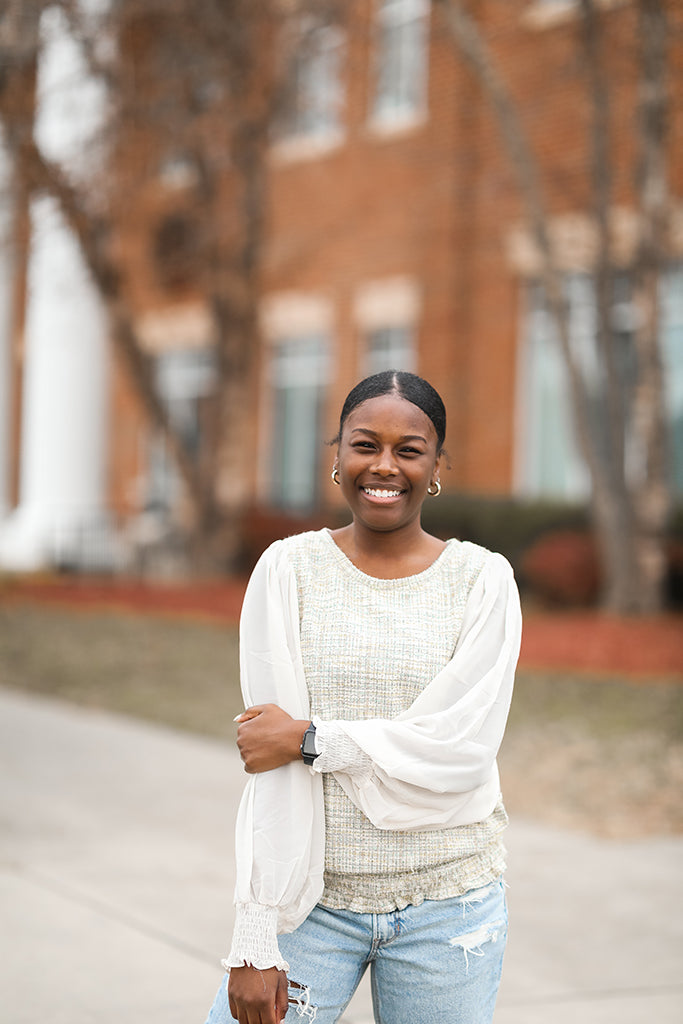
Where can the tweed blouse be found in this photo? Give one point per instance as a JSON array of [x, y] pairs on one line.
[[369, 647], [431, 767]]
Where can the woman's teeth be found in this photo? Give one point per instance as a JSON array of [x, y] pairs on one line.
[[374, 492]]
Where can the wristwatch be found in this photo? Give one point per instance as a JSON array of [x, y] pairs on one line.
[[308, 751]]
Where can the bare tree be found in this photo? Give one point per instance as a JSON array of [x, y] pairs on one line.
[[199, 78], [630, 507]]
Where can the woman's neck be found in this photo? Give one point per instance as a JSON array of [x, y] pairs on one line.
[[390, 555]]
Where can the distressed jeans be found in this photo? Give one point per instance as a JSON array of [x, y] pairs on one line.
[[440, 962]]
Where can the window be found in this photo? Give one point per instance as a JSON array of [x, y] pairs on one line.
[[672, 323], [402, 61], [387, 312], [389, 348], [312, 107], [299, 376], [186, 382], [549, 463]]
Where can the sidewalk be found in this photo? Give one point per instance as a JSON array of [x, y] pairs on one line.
[[116, 884]]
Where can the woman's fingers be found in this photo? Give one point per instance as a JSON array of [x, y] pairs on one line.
[[253, 712], [281, 1003]]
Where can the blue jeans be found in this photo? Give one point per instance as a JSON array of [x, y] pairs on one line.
[[438, 962]]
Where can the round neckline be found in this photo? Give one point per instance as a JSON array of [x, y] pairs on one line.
[[344, 560]]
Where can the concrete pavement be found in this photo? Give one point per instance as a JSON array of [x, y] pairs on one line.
[[116, 882]]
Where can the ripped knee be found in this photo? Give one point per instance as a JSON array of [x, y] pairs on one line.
[[299, 996]]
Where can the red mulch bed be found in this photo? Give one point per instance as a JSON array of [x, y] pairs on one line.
[[575, 640], [604, 643], [218, 601]]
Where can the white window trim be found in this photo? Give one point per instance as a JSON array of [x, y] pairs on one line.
[[299, 148], [290, 314], [176, 327], [389, 126], [542, 15], [387, 302]]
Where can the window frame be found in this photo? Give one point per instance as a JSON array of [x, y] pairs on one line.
[[389, 111], [291, 372], [312, 48]]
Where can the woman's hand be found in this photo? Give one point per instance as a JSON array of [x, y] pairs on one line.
[[257, 997], [268, 738]]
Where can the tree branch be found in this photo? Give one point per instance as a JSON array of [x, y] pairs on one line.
[[473, 48], [592, 39]]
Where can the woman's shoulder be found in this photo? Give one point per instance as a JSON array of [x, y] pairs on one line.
[[299, 549], [467, 560]]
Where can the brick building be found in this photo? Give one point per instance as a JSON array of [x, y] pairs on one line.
[[396, 238]]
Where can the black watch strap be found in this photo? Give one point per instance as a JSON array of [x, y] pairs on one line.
[[308, 751]]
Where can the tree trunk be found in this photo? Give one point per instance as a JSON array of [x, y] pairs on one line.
[[651, 487], [629, 521]]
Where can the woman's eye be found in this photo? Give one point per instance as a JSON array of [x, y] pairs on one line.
[[364, 444], [410, 451]]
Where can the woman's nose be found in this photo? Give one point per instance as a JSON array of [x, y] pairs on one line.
[[385, 464]]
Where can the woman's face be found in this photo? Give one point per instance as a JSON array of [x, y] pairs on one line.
[[387, 459]]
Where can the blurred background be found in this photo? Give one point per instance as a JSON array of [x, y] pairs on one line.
[[216, 216]]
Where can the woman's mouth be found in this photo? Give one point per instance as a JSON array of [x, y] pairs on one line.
[[382, 493]]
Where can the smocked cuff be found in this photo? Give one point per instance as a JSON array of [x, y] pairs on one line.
[[337, 752], [254, 940]]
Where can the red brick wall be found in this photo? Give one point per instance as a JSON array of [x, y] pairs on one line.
[[436, 203]]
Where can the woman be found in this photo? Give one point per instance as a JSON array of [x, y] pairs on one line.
[[377, 664]]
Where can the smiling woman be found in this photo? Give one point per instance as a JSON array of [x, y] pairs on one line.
[[387, 459], [376, 665]]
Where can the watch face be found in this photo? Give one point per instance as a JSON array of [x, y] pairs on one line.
[[308, 745]]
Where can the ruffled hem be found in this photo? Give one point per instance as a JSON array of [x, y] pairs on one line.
[[281, 965], [342, 894], [254, 940]]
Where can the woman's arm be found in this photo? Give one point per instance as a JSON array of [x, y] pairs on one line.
[[434, 765], [279, 834]]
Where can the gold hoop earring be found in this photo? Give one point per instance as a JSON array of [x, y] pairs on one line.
[[437, 491], [335, 476]]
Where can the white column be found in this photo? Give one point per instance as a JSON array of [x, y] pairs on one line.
[[7, 272], [63, 429], [65, 378]]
